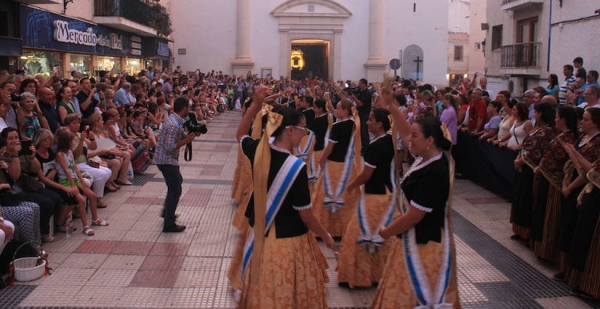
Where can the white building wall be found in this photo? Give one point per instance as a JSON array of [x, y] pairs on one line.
[[476, 36], [571, 38], [459, 13], [209, 35]]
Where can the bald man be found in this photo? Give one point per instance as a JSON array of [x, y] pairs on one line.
[[549, 99]]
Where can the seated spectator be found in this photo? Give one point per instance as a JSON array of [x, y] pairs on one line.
[[23, 169], [43, 141], [519, 129], [116, 158], [70, 176], [47, 105], [490, 129], [7, 230], [82, 152], [25, 215], [33, 116]]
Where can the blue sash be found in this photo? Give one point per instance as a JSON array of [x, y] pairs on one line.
[[427, 297], [277, 192], [334, 200], [370, 238]]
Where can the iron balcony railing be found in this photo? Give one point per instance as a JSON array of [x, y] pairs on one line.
[[134, 10], [521, 55]]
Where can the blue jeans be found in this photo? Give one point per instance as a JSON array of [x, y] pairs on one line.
[[173, 180]]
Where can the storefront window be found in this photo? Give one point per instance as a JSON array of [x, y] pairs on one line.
[[134, 66], [106, 63], [40, 62], [81, 63]]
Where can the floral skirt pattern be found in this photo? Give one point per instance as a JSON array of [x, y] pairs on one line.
[[356, 266], [334, 223], [292, 275], [395, 290]]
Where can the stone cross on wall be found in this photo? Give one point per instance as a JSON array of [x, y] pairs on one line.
[[413, 62]]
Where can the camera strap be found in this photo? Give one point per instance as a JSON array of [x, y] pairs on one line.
[[187, 152]]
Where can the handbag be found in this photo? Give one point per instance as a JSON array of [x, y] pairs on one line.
[[108, 156], [11, 197], [31, 184]]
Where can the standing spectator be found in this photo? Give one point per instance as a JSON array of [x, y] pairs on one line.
[[553, 89], [7, 90], [33, 117], [448, 115], [47, 104], [567, 84], [87, 101], [580, 73], [172, 137], [592, 79], [477, 112], [591, 95], [65, 105], [363, 106]]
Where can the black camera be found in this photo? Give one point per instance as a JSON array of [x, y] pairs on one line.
[[192, 125], [351, 90], [14, 97]]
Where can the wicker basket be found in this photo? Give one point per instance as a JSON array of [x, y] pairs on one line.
[[26, 269]]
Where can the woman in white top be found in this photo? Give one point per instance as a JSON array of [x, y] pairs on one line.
[[507, 121], [519, 129]]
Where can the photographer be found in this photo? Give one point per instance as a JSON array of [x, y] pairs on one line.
[[172, 137], [10, 99]]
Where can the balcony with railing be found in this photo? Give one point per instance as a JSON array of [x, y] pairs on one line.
[[128, 15], [516, 5], [521, 58]]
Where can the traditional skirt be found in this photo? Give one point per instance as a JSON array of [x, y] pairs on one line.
[[568, 220], [586, 226], [356, 266], [292, 275], [395, 290], [239, 217], [234, 273], [522, 211], [546, 221], [590, 277], [336, 222], [242, 178]]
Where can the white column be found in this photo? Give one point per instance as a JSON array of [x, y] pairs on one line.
[[243, 59], [375, 31], [375, 64]]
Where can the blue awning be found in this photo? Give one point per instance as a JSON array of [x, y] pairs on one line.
[[10, 47]]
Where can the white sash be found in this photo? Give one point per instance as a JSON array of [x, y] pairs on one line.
[[427, 297], [370, 238], [334, 200], [302, 150], [277, 192]]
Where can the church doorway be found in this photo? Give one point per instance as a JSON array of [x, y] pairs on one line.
[[309, 59]]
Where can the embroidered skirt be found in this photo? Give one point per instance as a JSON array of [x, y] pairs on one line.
[[356, 266], [395, 290], [590, 277], [234, 273], [334, 223], [315, 169], [292, 275], [546, 246], [242, 178], [239, 217], [522, 210]]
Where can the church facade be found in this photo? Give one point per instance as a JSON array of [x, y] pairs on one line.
[[340, 40]]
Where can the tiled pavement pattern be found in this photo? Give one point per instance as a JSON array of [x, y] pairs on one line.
[[131, 264]]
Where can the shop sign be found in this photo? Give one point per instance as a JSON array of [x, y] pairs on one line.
[[163, 50], [42, 29]]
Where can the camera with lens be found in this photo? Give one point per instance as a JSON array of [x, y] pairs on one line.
[[14, 97], [193, 126], [351, 90]]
